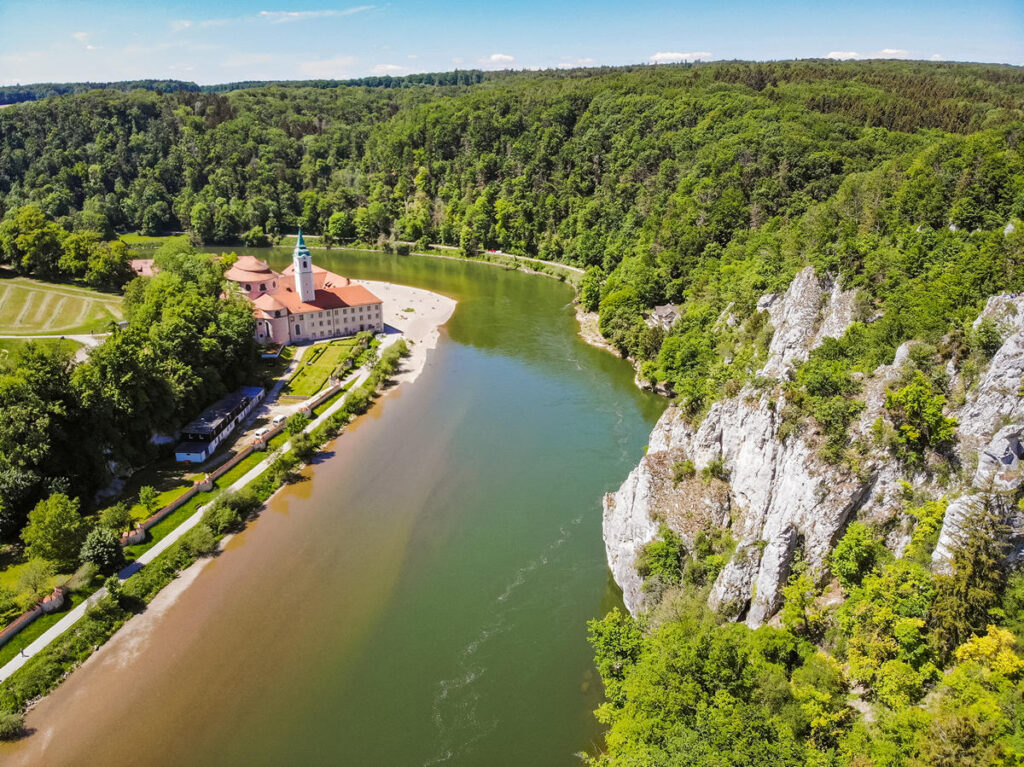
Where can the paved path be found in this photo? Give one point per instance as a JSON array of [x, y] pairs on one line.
[[357, 378], [89, 339]]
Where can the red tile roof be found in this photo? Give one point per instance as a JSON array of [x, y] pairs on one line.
[[329, 298]]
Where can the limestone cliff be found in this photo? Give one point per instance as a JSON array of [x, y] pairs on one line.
[[780, 494]]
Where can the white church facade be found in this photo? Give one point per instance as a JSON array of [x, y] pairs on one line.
[[305, 302]]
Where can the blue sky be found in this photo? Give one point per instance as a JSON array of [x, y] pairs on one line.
[[224, 40]]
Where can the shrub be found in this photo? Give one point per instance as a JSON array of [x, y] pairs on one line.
[[117, 517], [683, 470], [662, 558], [297, 423], [199, 541], [11, 726], [916, 410], [304, 447], [103, 549], [715, 469], [858, 553]]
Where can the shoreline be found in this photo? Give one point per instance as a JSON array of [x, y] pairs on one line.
[[420, 330]]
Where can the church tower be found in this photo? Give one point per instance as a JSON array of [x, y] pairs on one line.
[[302, 264]]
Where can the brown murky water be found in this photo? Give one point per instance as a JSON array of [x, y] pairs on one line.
[[421, 597]]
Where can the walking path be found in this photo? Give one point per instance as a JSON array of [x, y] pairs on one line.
[[357, 378], [89, 339]]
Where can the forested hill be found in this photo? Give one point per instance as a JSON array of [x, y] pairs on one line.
[[16, 94], [696, 185]]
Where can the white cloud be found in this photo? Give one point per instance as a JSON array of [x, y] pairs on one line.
[[180, 24], [81, 36], [568, 62], [388, 69], [667, 57], [94, 47], [279, 17], [936, 57], [336, 67], [411, 56], [885, 53], [457, 60], [498, 58]]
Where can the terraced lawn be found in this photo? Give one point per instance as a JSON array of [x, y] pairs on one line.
[[314, 372], [28, 307]]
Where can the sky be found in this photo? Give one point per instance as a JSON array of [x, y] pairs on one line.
[[227, 40]]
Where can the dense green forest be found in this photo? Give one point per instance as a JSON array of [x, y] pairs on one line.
[[702, 186]]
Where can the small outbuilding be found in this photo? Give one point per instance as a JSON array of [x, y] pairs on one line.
[[201, 437]]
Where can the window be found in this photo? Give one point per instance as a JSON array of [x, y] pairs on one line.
[[298, 330], [263, 286], [248, 287]]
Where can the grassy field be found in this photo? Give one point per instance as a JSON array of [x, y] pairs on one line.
[[313, 373], [11, 345], [142, 241], [29, 307]]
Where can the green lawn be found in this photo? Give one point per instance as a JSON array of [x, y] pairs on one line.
[[165, 526], [313, 371], [139, 512], [37, 628], [142, 241], [30, 307], [11, 575], [12, 345]]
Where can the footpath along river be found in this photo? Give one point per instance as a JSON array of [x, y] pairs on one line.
[[421, 597]]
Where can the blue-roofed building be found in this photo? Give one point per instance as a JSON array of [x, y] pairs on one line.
[[200, 438]]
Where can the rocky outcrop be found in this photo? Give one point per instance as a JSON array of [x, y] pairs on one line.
[[781, 495], [811, 310]]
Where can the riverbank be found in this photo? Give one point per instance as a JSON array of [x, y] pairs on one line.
[[421, 326], [403, 331], [445, 549]]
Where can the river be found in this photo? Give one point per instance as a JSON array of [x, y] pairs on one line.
[[421, 597]]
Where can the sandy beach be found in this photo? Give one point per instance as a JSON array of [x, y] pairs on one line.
[[421, 326]]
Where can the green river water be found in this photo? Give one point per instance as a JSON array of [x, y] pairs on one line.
[[421, 597]]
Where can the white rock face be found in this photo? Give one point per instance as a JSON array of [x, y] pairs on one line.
[[781, 495], [629, 524], [811, 310]]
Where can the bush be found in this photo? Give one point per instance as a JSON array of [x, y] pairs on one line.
[[715, 469], [683, 470], [103, 549], [117, 517], [12, 726], [662, 558], [199, 541], [303, 447], [297, 423], [858, 553], [916, 410]]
